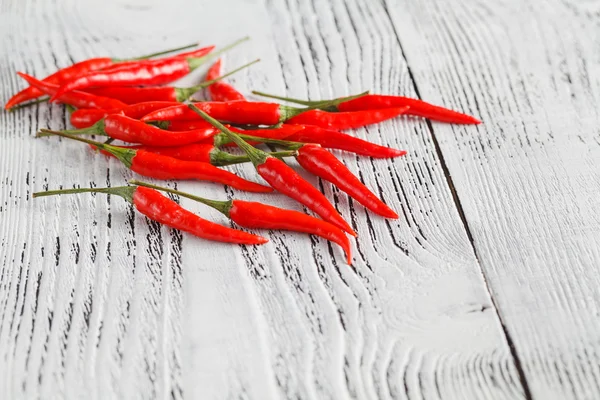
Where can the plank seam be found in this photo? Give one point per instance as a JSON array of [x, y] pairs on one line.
[[461, 213]]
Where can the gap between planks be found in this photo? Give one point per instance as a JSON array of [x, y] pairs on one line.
[[461, 213]]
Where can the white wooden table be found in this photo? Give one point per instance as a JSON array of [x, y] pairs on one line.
[[487, 286]]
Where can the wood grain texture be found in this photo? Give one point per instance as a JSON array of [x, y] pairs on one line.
[[97, 301], [528, 179]]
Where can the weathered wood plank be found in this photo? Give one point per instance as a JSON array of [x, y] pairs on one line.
[[117, 306], [322, 330], [528, 179]]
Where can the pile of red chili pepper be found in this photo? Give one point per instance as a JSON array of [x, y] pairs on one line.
[[169, 137]]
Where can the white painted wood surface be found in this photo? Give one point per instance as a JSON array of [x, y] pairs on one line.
[[487, 287]]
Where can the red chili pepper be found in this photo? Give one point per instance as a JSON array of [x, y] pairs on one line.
[[257, 215], [164, 167], [78, 69], [185, 125], [311, 134], [282, 132], [323, 164], [195, 53], [75, 98], [121, 127], [237, 112], [139, 62], [283, 178], [84, 118], [313, 158], [165, 211], [134, 95], [342, 141], [202, 152], [221, 91], [418, 107], [346, 120], [150, 73], [136, 111]]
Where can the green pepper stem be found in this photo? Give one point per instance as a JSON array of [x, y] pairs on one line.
[[222, 158], [125, 192], [96, 129], [257, 156], [70, 108], [221, 206], [285, 143], [198, 61], [182, 94], [288, 99], [290, 112], [124, 155], [160, 53]]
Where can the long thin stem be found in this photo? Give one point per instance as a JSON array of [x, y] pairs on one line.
[[124, 191], [96, 129], [329, 105], [320, 104], [198, 61], [256, 156], [282, 98], [222, 206], [285, 143], [124, 155], [161, 53]]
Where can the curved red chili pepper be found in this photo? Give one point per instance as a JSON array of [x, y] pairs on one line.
[[121, 127], [185, 125], [323, 164], [342, 141], [287, 181], [149, 73], [418, 108], [60, 77], [137, 111], [238, 112], [164, 167], [346, 120], [201, 152], [78, 69], [257, 215], [85, 118], [137, 63], [282, 132], [133, 95], [76, 98], [251, 214], [221, 91], [159, 208]]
